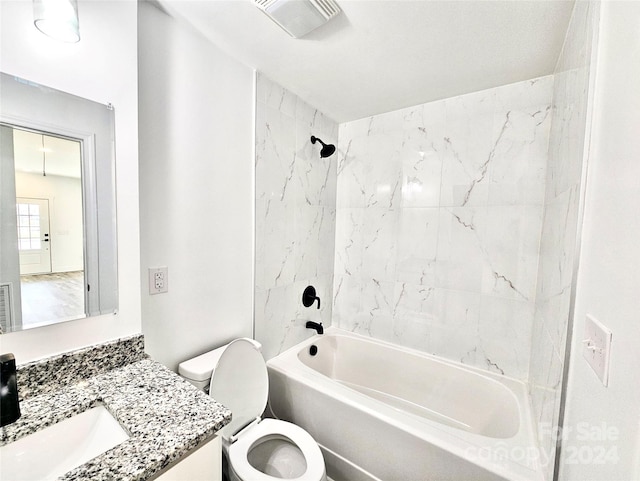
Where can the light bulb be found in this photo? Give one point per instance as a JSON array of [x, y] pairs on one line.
[[57, 19]]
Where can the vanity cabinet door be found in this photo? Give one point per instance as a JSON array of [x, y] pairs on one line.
[[202, 464]]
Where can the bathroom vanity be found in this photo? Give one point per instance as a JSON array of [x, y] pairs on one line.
[[169, 427]]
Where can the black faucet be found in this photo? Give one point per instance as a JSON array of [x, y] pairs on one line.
[[315, 325], [9, 405]]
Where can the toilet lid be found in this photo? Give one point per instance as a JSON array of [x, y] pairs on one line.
[[241, 383]]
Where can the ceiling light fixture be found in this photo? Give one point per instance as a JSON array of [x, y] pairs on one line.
[[57, 19]]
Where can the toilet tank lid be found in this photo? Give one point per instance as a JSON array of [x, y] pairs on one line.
[[200, 368]]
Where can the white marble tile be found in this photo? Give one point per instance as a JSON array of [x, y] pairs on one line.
[[349, 233], [544, 402], [326, 241], [382, 170], [525, 94], [355, 129], [417, 246], [465, 225], [413, 315], [557, 246], [428, 118], [504, 330], [546, 365], [468, 147], [467, 156], [275, 313], [570, 103], [351, 182], [295, 216], [314, 235], [263, 86], [554, 311], [310, 117], [461, 258], [347, 294], [375, 316], [518, 167], [536, 361], [275, 96], [383, 124], [379, 243], [260, 245], [557, 249], [510, 238], [421, 160], [275, 155], [276, 267], [455, 328]]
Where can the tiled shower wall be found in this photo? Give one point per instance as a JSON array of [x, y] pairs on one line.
[[295, 216], [438, 225], [557, 250]]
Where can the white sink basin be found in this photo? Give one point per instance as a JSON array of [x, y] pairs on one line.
[[53, 451]]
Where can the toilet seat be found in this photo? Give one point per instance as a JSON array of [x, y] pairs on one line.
[[239, 450]]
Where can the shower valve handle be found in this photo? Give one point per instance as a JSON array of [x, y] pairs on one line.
[[309, 297]]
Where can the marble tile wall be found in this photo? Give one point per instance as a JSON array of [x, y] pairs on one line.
[[295, 216], [439, 214], [557, 249]]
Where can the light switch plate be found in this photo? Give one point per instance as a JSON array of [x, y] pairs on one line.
[[596, 347]]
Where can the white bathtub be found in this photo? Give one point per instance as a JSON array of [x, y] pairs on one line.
[[381, 412]]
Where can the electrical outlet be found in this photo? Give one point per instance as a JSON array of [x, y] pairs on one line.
[[596, 347], [158, 280]]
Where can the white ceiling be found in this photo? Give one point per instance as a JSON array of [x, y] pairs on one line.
[[61, 156], [382, 55]]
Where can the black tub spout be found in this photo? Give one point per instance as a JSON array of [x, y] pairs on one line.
[[315, 325]]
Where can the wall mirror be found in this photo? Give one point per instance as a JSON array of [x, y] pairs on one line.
[[58, 252]]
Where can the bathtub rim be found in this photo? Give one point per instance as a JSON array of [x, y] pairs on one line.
[[452, 439]]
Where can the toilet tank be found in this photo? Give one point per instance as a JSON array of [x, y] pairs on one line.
[[198, 371]]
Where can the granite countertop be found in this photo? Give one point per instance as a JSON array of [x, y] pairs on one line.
[[164, 415]]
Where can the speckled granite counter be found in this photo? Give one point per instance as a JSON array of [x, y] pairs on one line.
[[165, 416]]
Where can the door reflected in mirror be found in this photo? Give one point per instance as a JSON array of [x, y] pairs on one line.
[[48, 180]]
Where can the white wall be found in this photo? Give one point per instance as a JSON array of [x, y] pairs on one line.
[[609, 272], [65, 216], [101, 67], [196, 189]]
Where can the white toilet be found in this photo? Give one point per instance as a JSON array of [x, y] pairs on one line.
[[254, 449]]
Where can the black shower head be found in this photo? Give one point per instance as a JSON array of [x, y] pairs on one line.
[[327, 149]]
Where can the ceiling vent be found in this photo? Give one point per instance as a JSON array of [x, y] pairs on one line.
[[299, 17]]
